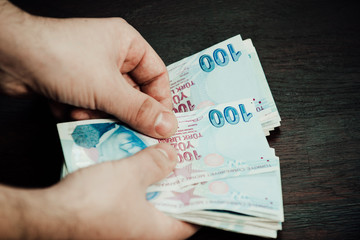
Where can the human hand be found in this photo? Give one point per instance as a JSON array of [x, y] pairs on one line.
[[103, 201], [96, 64], [109, 199]]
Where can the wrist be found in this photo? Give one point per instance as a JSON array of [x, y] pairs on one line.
[[12, 24], [18, 31]]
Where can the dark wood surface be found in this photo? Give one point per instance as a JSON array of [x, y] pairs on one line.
[[310, 54]]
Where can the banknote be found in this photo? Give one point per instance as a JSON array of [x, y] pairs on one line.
[[270, 115], [230, 218], [256, 195], [234, 219], [227, 176], [225, 72], [240, 226], [218, 141]]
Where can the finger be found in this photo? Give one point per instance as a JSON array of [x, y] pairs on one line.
[[63, 112], [156, 89], [169, 228], [159, 89], [181, 230], [137, 109], [10, 85], [130, 81], [148, 70], [152, 164]]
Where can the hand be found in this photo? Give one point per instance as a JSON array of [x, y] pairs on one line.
[[115, 193], [96, 64], [104, 201]]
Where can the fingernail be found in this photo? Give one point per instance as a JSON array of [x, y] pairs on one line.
[[168, 151], [164, 152], [166, 124]]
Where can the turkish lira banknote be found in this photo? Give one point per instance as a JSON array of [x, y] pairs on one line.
[[227, 176], [217, 141], [222, 73]]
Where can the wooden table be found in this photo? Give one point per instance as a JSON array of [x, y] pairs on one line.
[[310, 54]]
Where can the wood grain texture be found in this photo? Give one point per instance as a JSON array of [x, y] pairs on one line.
[[310, 52]]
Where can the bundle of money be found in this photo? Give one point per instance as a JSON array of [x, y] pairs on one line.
[[227, 176], [225, 72]]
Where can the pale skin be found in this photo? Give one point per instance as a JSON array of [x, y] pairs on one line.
[[96, 65]]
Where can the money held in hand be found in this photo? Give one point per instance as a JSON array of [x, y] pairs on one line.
[[227, 176], [213, 142]]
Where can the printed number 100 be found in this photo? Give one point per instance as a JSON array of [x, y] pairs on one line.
[[230, 115]]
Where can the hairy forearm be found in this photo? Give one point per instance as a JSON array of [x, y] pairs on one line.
[[31, 214]]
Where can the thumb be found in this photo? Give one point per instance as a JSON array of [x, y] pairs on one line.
[[149, 166], [152, 164], [139, 110]]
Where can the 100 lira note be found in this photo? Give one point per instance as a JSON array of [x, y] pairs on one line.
[[215, 142], [222, 73]]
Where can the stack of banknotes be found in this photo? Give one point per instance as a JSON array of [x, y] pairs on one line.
[[227, 176]]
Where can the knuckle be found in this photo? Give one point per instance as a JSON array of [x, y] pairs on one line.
[[121, 20], [143, 113], [118, 21], [159, 161]]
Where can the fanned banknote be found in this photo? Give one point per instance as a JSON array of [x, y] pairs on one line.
[[227, 176], [226, 221], [213, 142], [256, 195], [249, 204], [225, 72]]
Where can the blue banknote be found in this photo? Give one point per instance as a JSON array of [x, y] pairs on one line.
[[225, 72], [218, 141], [257, 195], [227, 176], [256, 226], [230, 218]]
